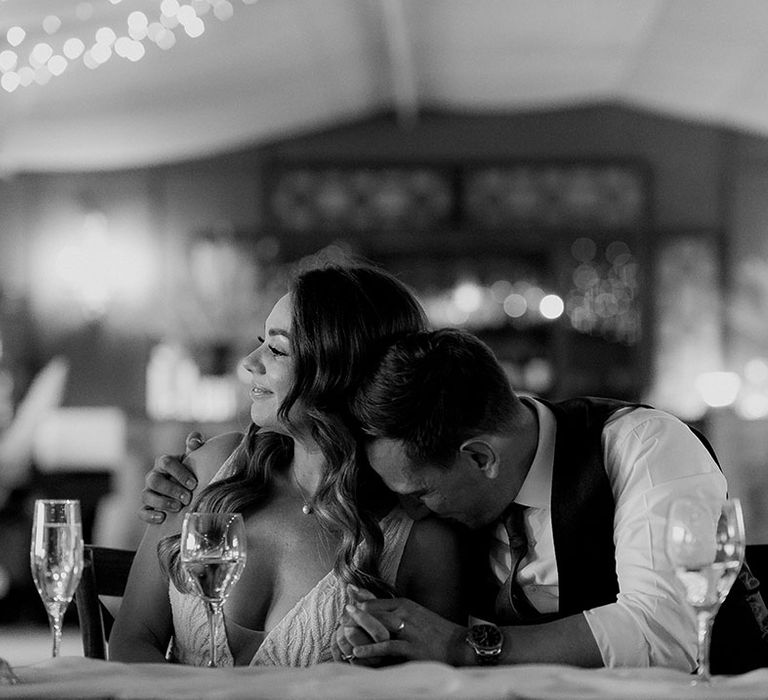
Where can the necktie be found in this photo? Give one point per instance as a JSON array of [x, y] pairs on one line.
[[512, 607]]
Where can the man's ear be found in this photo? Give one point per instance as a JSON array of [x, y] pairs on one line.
[[483, 455]]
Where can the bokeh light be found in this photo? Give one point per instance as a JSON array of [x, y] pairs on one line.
[[15, 35], [57, 65], [10, 81], [753, 405], [186, 14], [194, 27], [583, 249], [42, 75], [84, 11], [106, 36], [40, 54], [73, 48], [45, 61], [500, 290], [223, 10], [26, 76], [756, 371], [169, 8], [515, 305], [8, 60], [51, 24], [718, 389], [551, 306], [468, 296]]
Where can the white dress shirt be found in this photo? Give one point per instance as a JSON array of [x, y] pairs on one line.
[[651, 458]]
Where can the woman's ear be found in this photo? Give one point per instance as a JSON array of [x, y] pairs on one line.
[[482, 455]]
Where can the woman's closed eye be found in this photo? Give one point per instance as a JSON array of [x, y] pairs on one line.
[[272, 348]]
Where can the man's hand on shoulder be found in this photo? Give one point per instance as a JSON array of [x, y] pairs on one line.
[[169, 486]]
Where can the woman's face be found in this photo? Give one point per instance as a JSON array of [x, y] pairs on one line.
[[271, 367]]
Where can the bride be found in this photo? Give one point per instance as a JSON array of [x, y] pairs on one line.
[[317, 517]]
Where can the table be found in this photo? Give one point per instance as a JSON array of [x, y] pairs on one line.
[[77, 677]]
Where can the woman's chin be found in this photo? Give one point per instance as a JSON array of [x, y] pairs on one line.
[[268, 424], [262, 418]]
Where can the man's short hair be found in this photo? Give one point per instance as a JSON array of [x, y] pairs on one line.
[[433, 390]]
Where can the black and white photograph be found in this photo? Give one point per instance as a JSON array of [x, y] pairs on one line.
[[384, 349]]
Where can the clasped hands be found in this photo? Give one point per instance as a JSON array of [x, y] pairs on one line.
[[380, 631]]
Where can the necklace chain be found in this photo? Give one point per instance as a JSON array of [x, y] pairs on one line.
[[307, 508]]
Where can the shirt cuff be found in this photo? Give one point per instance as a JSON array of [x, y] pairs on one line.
[[620, 641]]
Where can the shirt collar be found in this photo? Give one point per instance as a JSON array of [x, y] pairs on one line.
[[537, 486]]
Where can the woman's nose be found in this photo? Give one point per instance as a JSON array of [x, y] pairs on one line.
[[252, 362]]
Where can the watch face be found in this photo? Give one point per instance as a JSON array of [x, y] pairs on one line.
[[485, 639]]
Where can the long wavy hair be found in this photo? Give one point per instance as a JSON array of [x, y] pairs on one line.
[[343, 318]]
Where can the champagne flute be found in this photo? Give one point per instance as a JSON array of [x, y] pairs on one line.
[[213, 552], [56, 558], [705, 543]]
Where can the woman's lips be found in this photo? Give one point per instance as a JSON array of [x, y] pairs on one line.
[[258, 392]]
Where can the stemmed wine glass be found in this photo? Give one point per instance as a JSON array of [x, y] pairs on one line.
[[56, 558], [213, 552], [705, 543]]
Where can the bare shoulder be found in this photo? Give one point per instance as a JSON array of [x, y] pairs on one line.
[[434, 541], [206, 459], [433, 530], [436, 551]]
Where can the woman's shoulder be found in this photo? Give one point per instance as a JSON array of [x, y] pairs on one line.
[[424, 538], [436, 551], [423, 527], [206, 459], [431, 530]]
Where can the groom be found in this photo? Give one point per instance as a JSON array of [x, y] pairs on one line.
[[570, 500]]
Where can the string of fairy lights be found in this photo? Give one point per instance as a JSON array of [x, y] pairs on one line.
[[26, 61]]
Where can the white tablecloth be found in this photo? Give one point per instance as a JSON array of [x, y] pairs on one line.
[[74, 677]]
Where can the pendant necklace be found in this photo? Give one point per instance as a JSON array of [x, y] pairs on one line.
[[307, 508]]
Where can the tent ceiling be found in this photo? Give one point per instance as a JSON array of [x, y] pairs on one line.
[[282, 66]]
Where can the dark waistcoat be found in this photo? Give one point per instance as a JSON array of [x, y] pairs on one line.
[[582, 505]]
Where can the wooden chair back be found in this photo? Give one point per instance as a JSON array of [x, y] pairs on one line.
[[105, 572]]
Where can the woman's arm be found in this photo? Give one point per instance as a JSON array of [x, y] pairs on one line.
[[144, 626], [432, 570], [144, 623]]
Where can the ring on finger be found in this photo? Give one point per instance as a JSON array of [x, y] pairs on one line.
[[401, 626], [347, 657]]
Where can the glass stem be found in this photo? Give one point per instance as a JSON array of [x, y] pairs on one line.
[[705, 618], [54, 617], [214, 616]]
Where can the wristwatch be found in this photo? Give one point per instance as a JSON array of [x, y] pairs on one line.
[[486, 640]]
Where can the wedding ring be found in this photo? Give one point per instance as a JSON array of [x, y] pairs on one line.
[[347, 657], [401, 626]]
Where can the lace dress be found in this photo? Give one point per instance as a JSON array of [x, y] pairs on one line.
[[304, 636]]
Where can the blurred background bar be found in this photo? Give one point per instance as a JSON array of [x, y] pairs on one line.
[[584, 185]]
